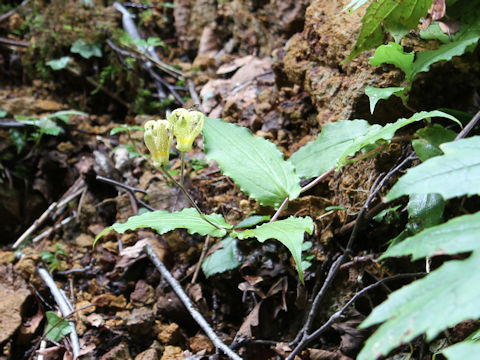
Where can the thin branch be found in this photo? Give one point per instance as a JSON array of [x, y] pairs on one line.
[[469, 126], [65, 308], [188, 304], [194, 94], [338, 314], [36, 224], [129, 188], [5, 16], [376, 187]]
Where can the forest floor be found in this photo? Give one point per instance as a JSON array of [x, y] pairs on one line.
[[272, 68]]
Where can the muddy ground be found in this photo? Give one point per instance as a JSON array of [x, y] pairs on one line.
[[272, 66]]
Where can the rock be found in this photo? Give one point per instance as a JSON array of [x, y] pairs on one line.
[[149, 354], [13, 294], [143, 293], [119, 352], [84, 240], [168, 333], [140, 321], [172, 352], [201, 342], [312, 61], [110, 301]]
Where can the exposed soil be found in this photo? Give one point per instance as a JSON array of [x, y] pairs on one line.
[[272, 66]]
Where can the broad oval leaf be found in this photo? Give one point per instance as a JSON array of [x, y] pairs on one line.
[[57, 327], [431, 138], [254, 163], [289, 232], [458, 235], [415, 308], [223, 259], [321, 154], [164, 221], [466, 350], [377, 132], [456, 173]]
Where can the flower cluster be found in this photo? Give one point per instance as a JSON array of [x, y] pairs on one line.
[[184, 124]]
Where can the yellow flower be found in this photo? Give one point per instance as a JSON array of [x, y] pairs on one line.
[[186, 127], [158, 138]]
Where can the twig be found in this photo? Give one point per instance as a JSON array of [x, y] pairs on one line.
[[129, 188], [36, 224], [10, 42], [50, 230], [5, 16], [194, 94], [376, 187], [188, 303], [469, 126], [54, 206], [65, 308], [338, 314]]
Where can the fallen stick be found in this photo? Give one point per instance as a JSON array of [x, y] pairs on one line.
[[65, 308], [188, 304]]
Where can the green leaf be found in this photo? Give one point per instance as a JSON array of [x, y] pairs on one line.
[[375, 94], [468, 35], [290, 232], [442, 299], [86, 50], [458, 235], [394, 15], [223, 259], [59, 64], [252, 221], [3, 113], [163, 221], [322, 154], [426, 209], [254, 163], [393, 54], [57, 327], [377, 132], [430, 140], [456, 173], [466, 350], [433, 32], [64, 115], [125, 128]]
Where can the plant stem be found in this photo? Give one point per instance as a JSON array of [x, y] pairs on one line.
[[182, 170], [303, 189], [202, 215]]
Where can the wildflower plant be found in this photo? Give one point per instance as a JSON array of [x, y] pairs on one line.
[[257, 166]]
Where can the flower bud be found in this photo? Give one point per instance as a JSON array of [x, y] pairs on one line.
[[186, 127], [158, 138]]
